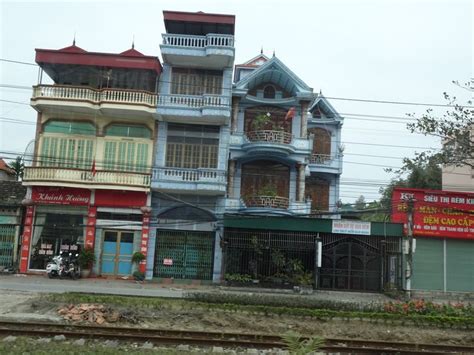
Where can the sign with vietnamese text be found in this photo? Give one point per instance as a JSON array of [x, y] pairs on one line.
[[350, 227], [436, 213], [61, 196]]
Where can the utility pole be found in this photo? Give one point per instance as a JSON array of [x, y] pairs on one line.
[[409, 267]]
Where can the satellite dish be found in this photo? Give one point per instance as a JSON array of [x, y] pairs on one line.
[[28, 155]]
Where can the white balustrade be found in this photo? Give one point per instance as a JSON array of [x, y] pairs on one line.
[[269, 136], [190, 41], [194, 101], [189, 175], [96, 96], [86, 176], [322, 159], [267, 201]]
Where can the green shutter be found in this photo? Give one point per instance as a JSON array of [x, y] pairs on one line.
[[122, 156], [130, 157], [88, 158], [428, 264], [142, 157], [7, 243], [459, 265], [109, 155], [53, 148], [44, 159], [70, 153]]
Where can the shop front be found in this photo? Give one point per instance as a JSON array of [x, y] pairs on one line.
[[58, 219]]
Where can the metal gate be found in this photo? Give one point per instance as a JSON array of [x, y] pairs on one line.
[[184, 254], [362, 263], [7, 242]]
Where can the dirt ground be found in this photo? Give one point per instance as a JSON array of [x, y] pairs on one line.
[[29, 306]]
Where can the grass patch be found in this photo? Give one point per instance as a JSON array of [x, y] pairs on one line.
[[282, 307]]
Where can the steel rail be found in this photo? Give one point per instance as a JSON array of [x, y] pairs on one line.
[[261, 341]]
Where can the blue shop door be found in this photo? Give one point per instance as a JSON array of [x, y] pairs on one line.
[[125, 254], [117, 253]]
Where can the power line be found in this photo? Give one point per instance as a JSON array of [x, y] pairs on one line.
[[17, 62]]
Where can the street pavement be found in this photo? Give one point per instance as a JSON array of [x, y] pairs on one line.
[[41, 284]]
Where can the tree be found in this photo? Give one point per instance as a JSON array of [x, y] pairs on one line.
[[17, 166], [455, 129], [360, 203]]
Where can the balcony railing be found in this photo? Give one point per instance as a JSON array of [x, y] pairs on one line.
[[267, 202], [190, 41], [194, 101], [81, 176], [96, 96], [189, 175], [269, 136], [323, 159]]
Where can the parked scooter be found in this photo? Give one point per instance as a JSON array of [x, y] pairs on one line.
[[54, 266], [64, 265], [70, 267]]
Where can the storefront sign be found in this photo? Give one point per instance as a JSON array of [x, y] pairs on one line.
[[25, 243], [144, 241], [351, 227], [168, 262], [117, 198], [436, 213], [90, 228], [61, 196]]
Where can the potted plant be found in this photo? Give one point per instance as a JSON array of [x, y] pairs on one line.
[[137, 258], [86, 260]]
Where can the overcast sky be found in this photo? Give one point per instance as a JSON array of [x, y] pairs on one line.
[[407, 51]]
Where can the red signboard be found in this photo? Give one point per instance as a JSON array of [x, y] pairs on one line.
[[144, 241], [436, 213], [61, 196], [25, 243], [116, 198], [90, 228]]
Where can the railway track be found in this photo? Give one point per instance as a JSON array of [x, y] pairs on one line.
[[230, 340]]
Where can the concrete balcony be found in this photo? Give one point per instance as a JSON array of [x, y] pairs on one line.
[[83, 99], [268, 205], [213, 51], [199, 109], [112, 180], [323, 163], [275, 143], [195, 181]]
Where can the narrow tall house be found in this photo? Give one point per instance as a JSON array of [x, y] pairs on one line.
[[285, 156], [189, 177], [89, 183]]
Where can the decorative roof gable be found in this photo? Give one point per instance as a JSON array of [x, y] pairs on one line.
[[273, 70], [322, 104]]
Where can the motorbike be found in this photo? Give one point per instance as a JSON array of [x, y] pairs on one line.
[[64, 265]]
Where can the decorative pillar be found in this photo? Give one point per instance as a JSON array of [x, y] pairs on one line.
[[90, 228], [230, 179], [26, 239], [235, 114], [304, 119], [145, 234], [301, 182]]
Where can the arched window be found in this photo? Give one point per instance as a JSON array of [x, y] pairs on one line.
[[322, 141], [120, 130], [269, 92], [69, 127]]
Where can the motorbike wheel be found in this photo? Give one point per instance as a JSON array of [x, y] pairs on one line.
[[50, 275]]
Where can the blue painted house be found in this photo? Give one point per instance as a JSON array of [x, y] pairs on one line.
[[259, 144], [190, 162]]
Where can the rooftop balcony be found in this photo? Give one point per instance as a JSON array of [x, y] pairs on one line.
[[276, 143], [212, 51], [199, 109], [53, 176], [324, 163], [198, 181], [83, 99]]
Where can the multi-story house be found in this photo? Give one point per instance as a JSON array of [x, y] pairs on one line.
[[193, 117], [89, 184], [284, 145]]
